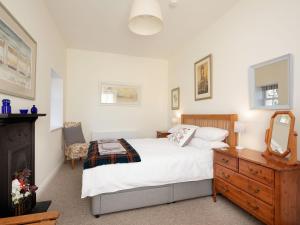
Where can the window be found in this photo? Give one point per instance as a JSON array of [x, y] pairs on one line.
[[56, 101], [270, 95], [270, 84]]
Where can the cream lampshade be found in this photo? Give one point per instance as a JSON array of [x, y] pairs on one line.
[[145, 17]]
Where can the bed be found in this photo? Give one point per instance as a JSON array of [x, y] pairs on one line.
[[159, 178]]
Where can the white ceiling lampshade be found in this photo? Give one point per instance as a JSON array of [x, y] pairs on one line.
[[145, 17]]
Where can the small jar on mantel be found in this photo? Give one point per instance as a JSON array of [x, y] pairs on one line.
[[34, 110]]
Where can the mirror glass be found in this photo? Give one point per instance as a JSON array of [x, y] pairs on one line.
[[270, 84], [280, 133]]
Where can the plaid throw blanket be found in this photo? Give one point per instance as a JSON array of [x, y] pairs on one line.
[[95, 159]]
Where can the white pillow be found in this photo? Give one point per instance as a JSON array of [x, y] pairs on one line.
[[182, 136], [219, 144], [211, 133], [178, 126], [199, 143]]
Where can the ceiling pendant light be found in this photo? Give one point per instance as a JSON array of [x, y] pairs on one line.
[[145, 17]]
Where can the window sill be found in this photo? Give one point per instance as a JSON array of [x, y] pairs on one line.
[[53, 129]]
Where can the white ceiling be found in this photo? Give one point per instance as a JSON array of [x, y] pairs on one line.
[[102, 25]]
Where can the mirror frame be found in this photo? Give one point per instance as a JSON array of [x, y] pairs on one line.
[[291, 148], [252, 87]]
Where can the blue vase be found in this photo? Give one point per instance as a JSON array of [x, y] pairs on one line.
[[6, 108], [34, 110]]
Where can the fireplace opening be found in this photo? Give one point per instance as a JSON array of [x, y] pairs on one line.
[[19, 161]]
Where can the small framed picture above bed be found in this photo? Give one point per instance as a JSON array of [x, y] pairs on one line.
[[203, 78], [175, 98], [114, 93]]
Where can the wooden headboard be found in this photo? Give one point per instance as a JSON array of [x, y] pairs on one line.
[[224, 121]]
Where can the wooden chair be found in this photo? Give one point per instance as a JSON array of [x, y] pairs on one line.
[[47, 218], [75, 151]]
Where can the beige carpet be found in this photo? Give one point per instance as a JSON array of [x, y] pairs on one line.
[[65, 188]]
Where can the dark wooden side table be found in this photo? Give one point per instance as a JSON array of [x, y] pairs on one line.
[[162, 134]]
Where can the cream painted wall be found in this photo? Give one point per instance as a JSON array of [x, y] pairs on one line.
[[251, 32], [34, 17], [86, 69]]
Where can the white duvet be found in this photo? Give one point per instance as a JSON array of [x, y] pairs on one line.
[[161, 163]]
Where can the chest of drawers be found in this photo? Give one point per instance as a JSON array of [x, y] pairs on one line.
[[268, 190]]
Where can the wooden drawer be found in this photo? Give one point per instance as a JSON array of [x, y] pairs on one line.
[[257, 208], [225, 160], [257, 172], [248, 185]]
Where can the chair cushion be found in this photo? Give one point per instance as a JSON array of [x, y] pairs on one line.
[[76, 151], [73, 135]]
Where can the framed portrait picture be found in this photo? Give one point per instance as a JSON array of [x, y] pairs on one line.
[[17, 58], [203, 78], [175, 98], [119, 94]]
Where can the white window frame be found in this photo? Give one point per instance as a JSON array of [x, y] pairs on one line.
[[255, 93]]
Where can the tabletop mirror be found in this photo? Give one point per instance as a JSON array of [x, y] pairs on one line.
[[281, 138]]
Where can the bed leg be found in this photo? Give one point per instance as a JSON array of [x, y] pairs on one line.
[[73, 163], [97, 216], [214, 197]]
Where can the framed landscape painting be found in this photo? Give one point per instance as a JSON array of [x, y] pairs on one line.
[[17, 58], [119, 94], [203, 78], [175, 98]]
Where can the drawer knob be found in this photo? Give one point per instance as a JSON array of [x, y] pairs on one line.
[[225, 160], [255, 191], [224, 190], [225, 176], [253, 207], [253, 172], [266, 179]]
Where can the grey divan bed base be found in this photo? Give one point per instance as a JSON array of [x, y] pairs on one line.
[[149, 196]]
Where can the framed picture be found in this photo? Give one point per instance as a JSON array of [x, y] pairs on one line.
[[203, 78], [17, 58], [121, 94], [175, 98]]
